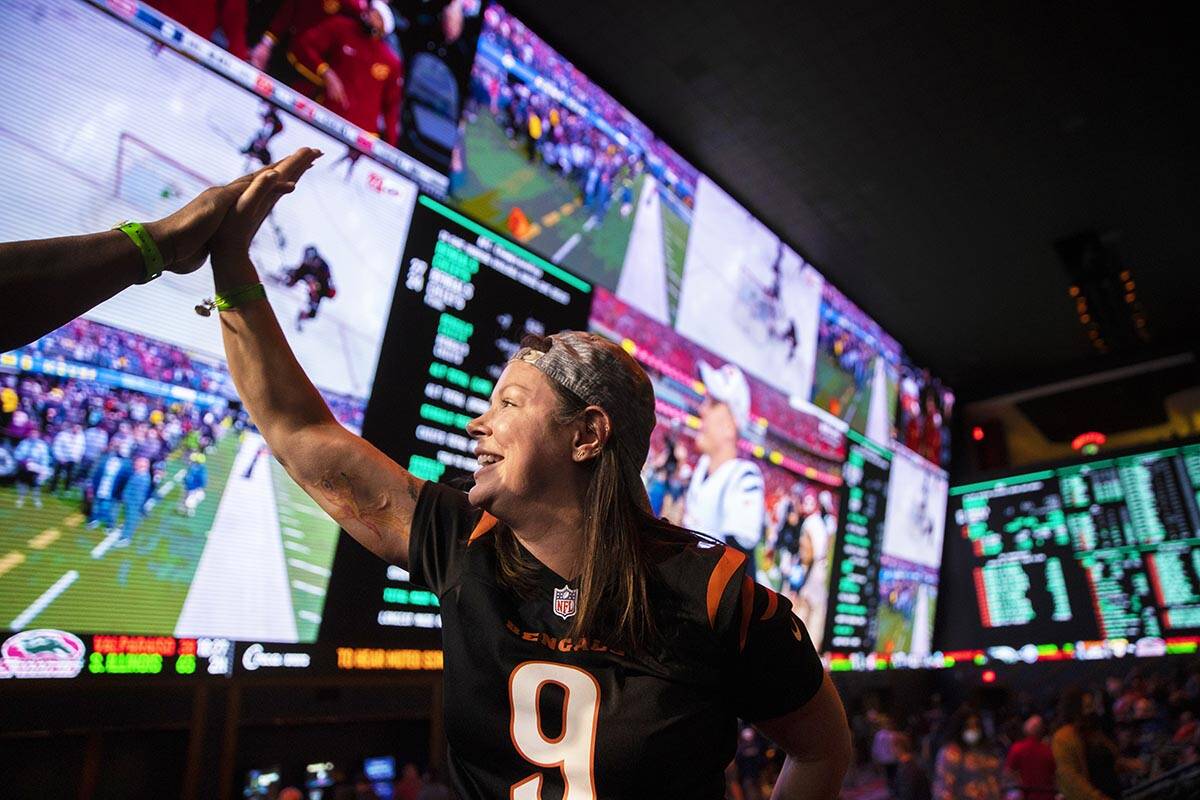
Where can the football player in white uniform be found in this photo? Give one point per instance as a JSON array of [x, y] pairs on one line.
[[725, 498]]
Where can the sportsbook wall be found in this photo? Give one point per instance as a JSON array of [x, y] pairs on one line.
[[144, 527], [1090, 560]]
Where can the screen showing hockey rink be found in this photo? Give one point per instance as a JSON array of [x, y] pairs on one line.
[[135, 494]]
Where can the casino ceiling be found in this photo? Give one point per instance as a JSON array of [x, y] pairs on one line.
[[926, 156]]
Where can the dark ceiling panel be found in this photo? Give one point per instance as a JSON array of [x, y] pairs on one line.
[[926, 156]]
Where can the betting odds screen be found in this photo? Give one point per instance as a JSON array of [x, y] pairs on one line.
[[886, 564], [1091, 560]]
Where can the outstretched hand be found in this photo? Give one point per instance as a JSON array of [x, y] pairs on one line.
[[187, 236], [258, 196]]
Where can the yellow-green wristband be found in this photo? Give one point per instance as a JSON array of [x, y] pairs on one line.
[[239, 296], [151, 255]]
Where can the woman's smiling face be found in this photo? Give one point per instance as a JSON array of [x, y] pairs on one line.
[[522, 452]]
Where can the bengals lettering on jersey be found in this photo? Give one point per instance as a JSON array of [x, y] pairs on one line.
[[532, 712]]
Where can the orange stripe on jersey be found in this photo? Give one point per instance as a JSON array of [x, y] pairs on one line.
[[772, 602], [747, 610], [730, 560], [485, 524]]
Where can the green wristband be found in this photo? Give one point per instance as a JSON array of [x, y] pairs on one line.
[[151, 256], [239, 296]]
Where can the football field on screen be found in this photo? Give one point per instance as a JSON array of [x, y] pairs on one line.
[[500, 177], [57, 572]]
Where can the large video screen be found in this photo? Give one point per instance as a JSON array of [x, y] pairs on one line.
[[565, 169], [135, 495], [1101, 555], [407, 85]]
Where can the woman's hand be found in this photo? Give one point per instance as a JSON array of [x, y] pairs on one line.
[[184, 237], [235, 230]]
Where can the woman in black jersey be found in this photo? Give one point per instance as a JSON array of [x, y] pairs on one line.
[[591, 651]]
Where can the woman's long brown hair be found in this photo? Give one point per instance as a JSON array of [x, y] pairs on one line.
[[615, 572]]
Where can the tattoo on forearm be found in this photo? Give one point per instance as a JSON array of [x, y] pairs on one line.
[[338, 491]]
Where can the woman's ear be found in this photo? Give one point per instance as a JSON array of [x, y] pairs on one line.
[[591, 434]]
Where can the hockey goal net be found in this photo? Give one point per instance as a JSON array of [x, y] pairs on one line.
[[153, 181]]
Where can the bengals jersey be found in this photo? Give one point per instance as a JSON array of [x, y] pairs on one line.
[[531, 712]]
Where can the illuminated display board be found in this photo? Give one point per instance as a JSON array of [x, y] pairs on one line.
[[886, 563], [1099, 558], [135, 495], [221, 549]]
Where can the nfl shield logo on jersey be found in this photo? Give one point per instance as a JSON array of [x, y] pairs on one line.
[[565, 601]]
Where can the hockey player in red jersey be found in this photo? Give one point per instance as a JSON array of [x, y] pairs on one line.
[[346, 65], [294, 18]]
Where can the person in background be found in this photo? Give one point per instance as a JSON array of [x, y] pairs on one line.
[[883, 749], [95, 442], [968, 764], [10, 401], [435, 787], [107, 480], [815, 544], [69, 444], [911, 781], [33, 467], [750, 761], [1031, 760], [194, 483], [725, 498], [348, 67], [1085, 758], [410, 784], [293, 18], [138, 489], [204, 17]]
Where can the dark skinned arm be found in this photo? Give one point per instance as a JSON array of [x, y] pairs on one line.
[[46, 283]]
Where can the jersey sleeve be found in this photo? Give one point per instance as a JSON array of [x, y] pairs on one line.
[[776, 670], [743, 507], [442, 525]]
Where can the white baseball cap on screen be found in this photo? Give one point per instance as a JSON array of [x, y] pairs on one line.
[[728, 385]]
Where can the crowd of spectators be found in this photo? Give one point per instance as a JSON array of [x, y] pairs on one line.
[[106, 446], [603, 159], [413, 783], [1088, 741], [83, 341], [103, 446]]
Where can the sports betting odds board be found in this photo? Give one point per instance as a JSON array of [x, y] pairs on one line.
[[1092, 560]]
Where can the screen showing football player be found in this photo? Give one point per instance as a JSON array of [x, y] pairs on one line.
[[726, 497]]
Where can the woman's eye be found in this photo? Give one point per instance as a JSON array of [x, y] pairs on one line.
[[508, 403]]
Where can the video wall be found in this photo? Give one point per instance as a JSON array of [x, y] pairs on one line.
[[144, 525], [1092, 560]]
